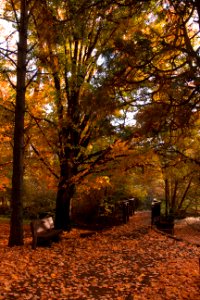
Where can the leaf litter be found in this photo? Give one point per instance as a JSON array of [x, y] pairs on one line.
[[126, 262]]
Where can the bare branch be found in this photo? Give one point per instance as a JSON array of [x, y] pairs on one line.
[[43, 161]]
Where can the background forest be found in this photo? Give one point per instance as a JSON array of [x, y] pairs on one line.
[[99, 102]]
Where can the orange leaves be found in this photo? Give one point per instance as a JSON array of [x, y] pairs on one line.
[[125, 263], [4, 183], [141, 277], [15, 276]]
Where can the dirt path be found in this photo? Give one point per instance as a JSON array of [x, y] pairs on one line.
[[126, 262]]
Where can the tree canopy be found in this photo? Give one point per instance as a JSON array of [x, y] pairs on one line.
[[103, 87]]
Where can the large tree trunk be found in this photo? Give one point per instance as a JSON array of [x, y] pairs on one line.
[[16, 222], [66, 190], [63, 207]]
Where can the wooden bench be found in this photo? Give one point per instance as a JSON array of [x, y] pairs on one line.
[[43, 232]]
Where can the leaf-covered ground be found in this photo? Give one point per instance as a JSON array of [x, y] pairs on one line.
[[126, 262]]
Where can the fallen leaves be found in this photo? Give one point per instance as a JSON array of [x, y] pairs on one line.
[[128, 262]]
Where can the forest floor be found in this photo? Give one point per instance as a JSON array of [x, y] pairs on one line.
[[126, 262]]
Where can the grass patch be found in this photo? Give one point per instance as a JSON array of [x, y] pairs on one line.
[[6, 219]]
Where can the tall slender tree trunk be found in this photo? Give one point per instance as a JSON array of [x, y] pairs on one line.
[[185, 193], [174, 197], [16, 222]]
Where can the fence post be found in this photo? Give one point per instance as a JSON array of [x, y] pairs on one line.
[[125, 211], [132, 205], [155, 211]]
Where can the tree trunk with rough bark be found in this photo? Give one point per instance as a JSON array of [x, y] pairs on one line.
[[63, 208], [66, 187], [16, 222]]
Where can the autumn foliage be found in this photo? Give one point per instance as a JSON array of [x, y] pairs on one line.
[[99, 101], [126, 262]]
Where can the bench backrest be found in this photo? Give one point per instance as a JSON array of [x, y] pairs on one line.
[[42, 225]]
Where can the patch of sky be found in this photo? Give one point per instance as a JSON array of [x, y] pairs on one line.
[[133, 102], [48, 108]]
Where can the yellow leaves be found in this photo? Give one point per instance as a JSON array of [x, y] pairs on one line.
[[117, 113], [97, 183], [103, 180]]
